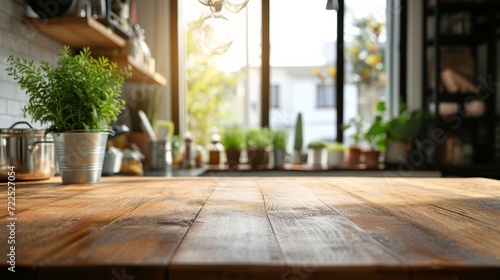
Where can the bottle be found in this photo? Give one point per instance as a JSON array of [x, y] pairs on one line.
[[215, 148], [189, 151]]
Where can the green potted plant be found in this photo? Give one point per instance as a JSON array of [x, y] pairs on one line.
[[335, 154], [401, 131], [279, 139], [354, 148], [316, 153], [258, 142], [375, 136], [78, 98], [232, 139]]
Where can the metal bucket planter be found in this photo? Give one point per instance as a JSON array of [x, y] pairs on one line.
[[80, 156]]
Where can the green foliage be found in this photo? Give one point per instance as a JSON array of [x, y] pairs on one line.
[[375, 135], [79, 94], [406, 125], [336, 147], [297, 146], [317, 145], [233, 137], [211, 93], [258, 138], [280, 137], [356, 137]]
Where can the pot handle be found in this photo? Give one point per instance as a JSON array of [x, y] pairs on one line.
[[34, 145], [21, 122]]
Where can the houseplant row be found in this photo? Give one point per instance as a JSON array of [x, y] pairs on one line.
[[393, 135], [257, 142]]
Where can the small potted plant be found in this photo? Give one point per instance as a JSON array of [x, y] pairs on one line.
[[233, 139], [78, 98], [354, 148], [316, 153], [258, 142], [335, 154], [375, 136], [279, 139], [401, 131]]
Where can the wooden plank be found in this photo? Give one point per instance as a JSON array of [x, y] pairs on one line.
[[313, 235], [141, 242], [457, 242], [46, 231], [417, 246], [231, 232]]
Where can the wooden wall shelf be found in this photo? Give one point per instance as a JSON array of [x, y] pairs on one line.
[[79, 32], [140, 74]]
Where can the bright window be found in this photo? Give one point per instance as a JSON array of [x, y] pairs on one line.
[[226, 89]]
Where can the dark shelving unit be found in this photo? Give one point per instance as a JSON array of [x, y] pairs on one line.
[[472, 147]]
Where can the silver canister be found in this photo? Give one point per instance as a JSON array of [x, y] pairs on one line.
[[160, 154]]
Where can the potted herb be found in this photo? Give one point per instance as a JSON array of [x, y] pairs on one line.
[[258, 142], [354, 148], [78, 98], [279, 139], [316, 153], [335, 154], [401, 131], [233, 139], [375, 136]]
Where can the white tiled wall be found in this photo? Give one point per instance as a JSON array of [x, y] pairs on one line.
[[18, 40]]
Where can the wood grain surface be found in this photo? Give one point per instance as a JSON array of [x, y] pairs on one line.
[[255, 228]]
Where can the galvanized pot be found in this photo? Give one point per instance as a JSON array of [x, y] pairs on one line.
[[80, 156]]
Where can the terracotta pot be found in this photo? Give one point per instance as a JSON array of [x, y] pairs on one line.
[[371, 159], [353, 156], [258, 158], [233, 158]]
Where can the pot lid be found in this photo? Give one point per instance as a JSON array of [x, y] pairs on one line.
[[14, 130]]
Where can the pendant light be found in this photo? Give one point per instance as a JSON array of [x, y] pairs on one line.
[[332, 5]]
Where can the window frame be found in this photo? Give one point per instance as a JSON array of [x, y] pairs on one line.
[[322, 96], [176, 103]]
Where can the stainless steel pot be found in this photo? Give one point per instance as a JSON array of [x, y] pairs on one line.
[[28, 150]]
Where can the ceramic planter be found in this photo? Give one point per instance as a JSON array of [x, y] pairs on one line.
[[317, 157], [279, 158], [397, 152], [335, 158]]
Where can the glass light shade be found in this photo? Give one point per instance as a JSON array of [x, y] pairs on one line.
[[210, 2], [235, 5], [214, 34]]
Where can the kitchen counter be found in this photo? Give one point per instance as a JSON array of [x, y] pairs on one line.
[[253, 228]]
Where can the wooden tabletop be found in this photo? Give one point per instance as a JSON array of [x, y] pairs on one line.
[[254, 228]]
